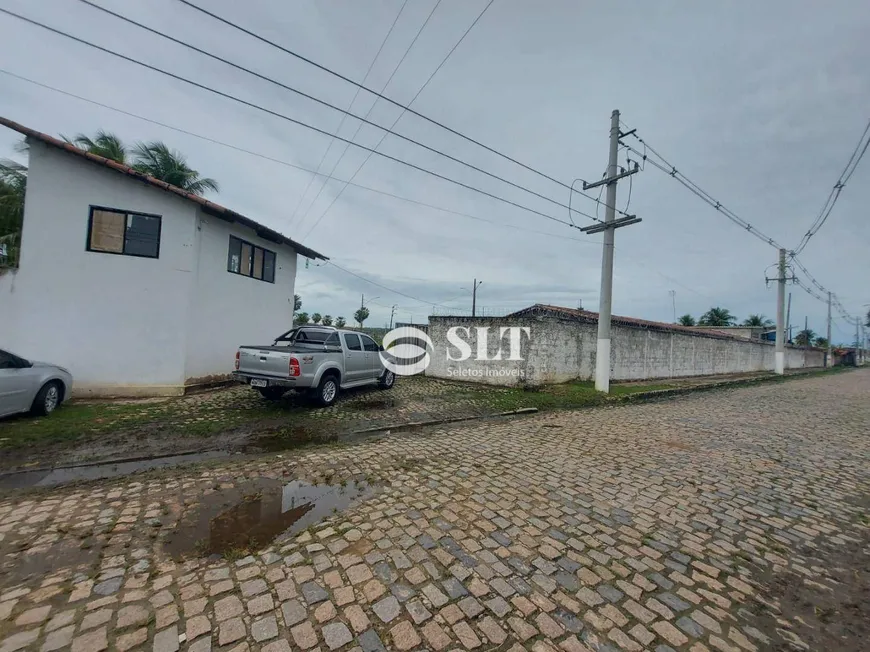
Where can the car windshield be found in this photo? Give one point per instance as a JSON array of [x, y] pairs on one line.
[[304, 336]]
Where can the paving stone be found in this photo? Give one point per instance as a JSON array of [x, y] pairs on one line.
[[33, 616], [58, 639], [404, 636], [92, 641], [387, 609], [498, 606], [370, 642], [166, 640], [197, 626], [313, 593], [95, 619], [131, 639], [109, 586], [294, 612], [436, 637], [261, 604], [454, 588], [673, 602], [689, 626], [304, 636], [470, 606], [228, 607], [417, 611], [231, 631], [264, 629], [336, 635], [277, 646]]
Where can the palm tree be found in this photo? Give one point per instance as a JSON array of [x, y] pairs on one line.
[[686, 320], [340, 322], [301, 318], [717, 317], [757, 321], [104, 144], [821, 342], [327, 320], [316, 317], [157, 160], [805, 337], [361, 315]]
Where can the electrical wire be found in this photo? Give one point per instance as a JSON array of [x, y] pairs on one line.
[[207, 139], [344, 115], [286, 87], [359, 127], [384, 287], [282, 116], [834, 195], [319, 66]]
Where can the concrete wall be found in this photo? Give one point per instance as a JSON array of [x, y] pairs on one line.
[[562, 350], [125, 325], [227, 309], [112, 320]]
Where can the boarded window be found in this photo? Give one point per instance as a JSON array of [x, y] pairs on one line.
[[115, 231]]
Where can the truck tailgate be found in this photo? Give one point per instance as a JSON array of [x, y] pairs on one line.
[[268, 361]]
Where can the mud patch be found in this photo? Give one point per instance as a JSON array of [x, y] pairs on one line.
[[830, 611], [236, 522]]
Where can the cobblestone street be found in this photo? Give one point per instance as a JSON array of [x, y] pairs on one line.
[[668, 525]]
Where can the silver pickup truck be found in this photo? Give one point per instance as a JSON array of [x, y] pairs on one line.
[[320, 360]]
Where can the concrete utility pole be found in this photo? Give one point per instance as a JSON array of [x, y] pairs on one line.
[[673, 294], [602, 356], [474, 297], [788, 337], [392, 314], [857, 341], [780, 315], [828, 359]]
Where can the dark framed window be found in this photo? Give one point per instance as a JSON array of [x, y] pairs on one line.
[[114, 231], [369, 344], [250, 260], [351, 341]]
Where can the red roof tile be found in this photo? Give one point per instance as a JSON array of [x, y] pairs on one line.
[[208, 206]]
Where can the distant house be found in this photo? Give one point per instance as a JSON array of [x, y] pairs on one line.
[[136, 286]]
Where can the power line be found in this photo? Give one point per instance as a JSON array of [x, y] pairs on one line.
[[834, 195], [585, 241], [292, 90], [344, 115], [359, 127], [279, 115], [672, 171], [375, 93], [402, 113], [384, 287]]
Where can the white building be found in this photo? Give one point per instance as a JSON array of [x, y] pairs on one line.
[[137, 287]]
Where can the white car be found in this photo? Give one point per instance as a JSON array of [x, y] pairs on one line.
[[35, 387]]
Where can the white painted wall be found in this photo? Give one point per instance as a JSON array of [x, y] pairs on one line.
[[228, 310], [112, 320], [125, 325], [563, 350]]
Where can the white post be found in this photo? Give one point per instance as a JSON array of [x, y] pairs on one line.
[[780, 315]]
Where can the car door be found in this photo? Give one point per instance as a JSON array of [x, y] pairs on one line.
[[355, 365], [15, 384], [373, 358]]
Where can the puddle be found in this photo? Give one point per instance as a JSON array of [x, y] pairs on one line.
[[237, 521], [63, 475]]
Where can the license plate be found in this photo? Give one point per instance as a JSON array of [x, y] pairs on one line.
[[256, 382]]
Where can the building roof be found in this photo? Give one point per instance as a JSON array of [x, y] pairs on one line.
[[545, 310], [208, 206]]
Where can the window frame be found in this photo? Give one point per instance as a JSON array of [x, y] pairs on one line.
[[125, 213], [253, 247], [365, 338], [344, 337]]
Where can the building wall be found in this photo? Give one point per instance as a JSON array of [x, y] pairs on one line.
[[112, 320], [228, 310], [562, 350]]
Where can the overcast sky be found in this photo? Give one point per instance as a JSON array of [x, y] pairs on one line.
[[760, 104]]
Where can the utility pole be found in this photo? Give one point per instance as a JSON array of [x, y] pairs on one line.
[[602, 356], [780, 317], [392, 314], [474, 297], [788, 320], [857, 340], [673, 294], [828, 358], [806, 334]]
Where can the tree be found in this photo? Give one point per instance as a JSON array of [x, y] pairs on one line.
[[686, 320], [758, 321], [340, 322], [361, 315], [13, 185], [805, 338], [157, 160], [867, 320], [104, 144], [316, 317], [327, 320], [821, 342], [717, 317], [301, 318], [297, 302]]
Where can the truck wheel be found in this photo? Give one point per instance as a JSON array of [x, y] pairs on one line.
[[47, 399], [327, 390], [387, 380], [272, 393]]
